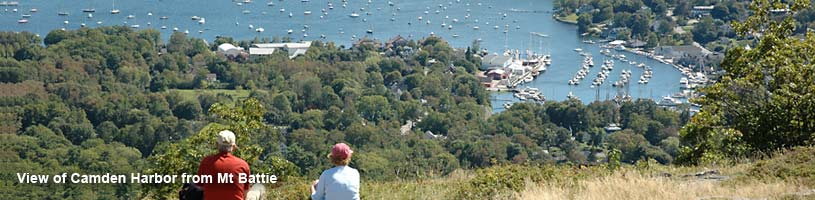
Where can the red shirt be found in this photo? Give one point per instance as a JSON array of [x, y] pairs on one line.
[[224, 163]]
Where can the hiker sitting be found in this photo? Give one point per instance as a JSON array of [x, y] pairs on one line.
[[339, 182], [224, 162]]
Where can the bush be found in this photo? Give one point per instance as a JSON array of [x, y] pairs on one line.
[[798, 163], [499, 182]]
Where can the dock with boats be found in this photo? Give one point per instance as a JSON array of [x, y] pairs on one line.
[[511, 69]]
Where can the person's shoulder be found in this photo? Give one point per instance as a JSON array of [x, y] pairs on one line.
[[208, 158], [332, 170], [241, 162], [352, 170]]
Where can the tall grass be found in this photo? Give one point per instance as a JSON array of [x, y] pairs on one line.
[[633, 185]]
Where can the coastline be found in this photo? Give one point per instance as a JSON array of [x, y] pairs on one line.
[[563, 20]]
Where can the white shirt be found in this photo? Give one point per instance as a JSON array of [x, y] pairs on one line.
[[341, 182]]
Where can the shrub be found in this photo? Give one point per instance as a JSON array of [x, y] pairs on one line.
[[798, 163], [502, 181]]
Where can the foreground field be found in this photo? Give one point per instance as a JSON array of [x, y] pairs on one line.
[[631, 184], [786, 176]]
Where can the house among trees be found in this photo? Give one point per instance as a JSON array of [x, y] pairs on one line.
[[701, 10], [492, 78], [396, 42], [368, 42], [693, 54], [212, 77], [229, 50]]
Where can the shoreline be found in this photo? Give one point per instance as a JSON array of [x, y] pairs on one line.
[[561, 20]]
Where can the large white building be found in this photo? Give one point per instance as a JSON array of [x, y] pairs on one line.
[[229, 50], [294, 49]]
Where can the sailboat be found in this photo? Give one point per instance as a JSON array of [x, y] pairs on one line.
[[114, 11], [62, 12], [89, 10]]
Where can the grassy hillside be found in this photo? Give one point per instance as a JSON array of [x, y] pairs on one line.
[[788, 175]]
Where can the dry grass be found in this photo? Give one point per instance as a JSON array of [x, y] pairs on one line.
[[436, 188], [628, 184]]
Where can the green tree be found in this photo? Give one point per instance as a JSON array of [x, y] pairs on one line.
[[764, 100], [187, 109], [583, 22]]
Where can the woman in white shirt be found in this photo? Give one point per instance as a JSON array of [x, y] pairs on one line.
[[339, 182]]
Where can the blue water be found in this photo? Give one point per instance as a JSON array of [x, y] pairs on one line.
[[224, 17]]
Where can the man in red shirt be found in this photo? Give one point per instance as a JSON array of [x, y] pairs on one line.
[[224, 162]]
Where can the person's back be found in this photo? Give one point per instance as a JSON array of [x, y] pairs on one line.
[[224, 162], [340, 182]]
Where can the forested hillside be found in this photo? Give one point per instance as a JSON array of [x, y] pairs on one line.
[[117, 100]]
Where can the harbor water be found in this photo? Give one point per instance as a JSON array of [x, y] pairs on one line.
[[502, 24]]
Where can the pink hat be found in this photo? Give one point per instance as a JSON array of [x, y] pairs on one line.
[[341, 151]]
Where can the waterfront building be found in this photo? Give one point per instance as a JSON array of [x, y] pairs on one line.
[[230, 50], [294, 49], [495, 61]]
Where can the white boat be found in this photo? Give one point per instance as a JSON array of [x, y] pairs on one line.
[[202, 21], [22, 21], [164, 17], [195, 17], [307, 12], [114, 11], [578, 50], [354, 15], [290, 31], [259, 30], [668, 101], [528, 79], [134, 26], [88, 10], [131, 16], [571, 96], [63, 13]]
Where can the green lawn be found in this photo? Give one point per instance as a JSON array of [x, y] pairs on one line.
[[192, 93], [572, 19]]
